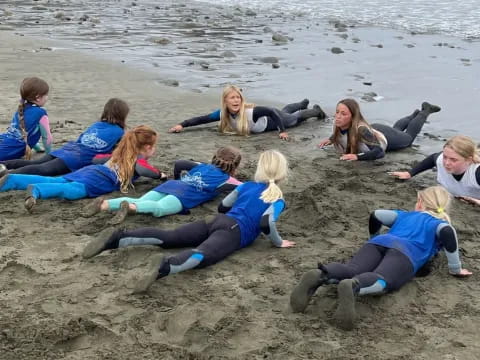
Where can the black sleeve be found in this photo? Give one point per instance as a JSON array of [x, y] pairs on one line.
[[369, 139], [226, 188], [374, 225], [428, 163], [477, 175], [448, 239], [182, 165], [273, 114], [199, 120]]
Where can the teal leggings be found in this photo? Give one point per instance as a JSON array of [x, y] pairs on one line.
[[153, 202]]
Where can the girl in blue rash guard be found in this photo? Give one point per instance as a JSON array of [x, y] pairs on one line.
[[194, 184], [388, 261], [100, 138], [251, 208], [29, 123], [128, 161], [241, 118]]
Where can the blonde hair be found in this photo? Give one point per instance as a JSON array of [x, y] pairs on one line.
[[30, 89], [436, 201], [465, 147], [126, 153], [242, 121], [272, 168], [353, 137], [227, 159]]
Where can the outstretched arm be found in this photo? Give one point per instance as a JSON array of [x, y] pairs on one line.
[[379, 218], [144, 168], [447, 237], [198, 120], [428, 163], [268, 224]]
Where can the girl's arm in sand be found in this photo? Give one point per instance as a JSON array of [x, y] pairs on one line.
[[426, 164], [268, 224], [228, 202], [144, 168], [183, 165], [47, 138], [369, 139], [198, 120], [447, 237], [379, 218]]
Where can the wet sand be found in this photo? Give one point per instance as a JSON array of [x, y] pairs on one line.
[[57, 306]]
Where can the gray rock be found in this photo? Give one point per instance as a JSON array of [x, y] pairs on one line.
[[355, 40], [204, 65], [268, 59], [250, 13], [368, 83], [228, 54], [279, 38], [409, 45], [380, 46], [266, 29], [275, 66], [170, 82], [343, 36], [159, 40], [336, 50]]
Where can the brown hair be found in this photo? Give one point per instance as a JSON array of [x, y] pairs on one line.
[[227, 159], [242, 122], [125, 155], [357, 121], [465, 147], [30, 89], [115, 112]]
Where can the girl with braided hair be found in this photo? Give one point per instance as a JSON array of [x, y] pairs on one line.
[[387, 261], [29, 123], [194, 183], [253, 207], [127, 162]]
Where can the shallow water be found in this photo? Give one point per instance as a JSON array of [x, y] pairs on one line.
[[187, 43]]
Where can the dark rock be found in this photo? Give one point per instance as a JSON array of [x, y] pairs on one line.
[[268, 59], [279, 38], [159, 40], [343, 36], [170, 82], [275, 66], [250, 13], [336, 50], [367, 83], [355, 40], [380, 46], [258, 41], [204, 65], [409, 45]]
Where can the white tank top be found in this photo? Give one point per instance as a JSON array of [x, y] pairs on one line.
[[467, 186], [362, 147], [254, 127]]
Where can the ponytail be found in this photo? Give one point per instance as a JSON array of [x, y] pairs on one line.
[[272, 193], [272, 168]]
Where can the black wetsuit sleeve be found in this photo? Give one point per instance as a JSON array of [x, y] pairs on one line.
[[426, 164], [182, 165], [144, 168], [369, 138], [379, 218], [447, 237], [226, 188], [477, 175], [204, 119], [271, 113]]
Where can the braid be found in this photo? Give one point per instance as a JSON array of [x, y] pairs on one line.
[[227, 159], [23, 129]]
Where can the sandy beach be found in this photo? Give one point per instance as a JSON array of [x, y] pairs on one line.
[[57, 306]]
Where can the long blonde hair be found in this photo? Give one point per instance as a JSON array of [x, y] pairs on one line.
[[436, 201], [272, 168], [126, 153], [357, 121], [242, 120], [465, 147], [30, 89]]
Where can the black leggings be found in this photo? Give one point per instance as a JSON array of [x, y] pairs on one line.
[[47, 165], [404, 131], [213, 240], [289, 116], [371, 263]]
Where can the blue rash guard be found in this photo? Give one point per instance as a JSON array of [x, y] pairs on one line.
[[199, 185], [99, 138], [248, 210], [414, 234], [12, 144]]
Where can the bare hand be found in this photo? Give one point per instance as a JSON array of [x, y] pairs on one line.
[[470, 200], [463, 273], [163, 176], [287, 244], [404, 175], [324, 142], [349, 157], [283, 135], [176, 129]]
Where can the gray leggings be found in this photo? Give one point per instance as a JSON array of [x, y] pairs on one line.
[[404, 131]]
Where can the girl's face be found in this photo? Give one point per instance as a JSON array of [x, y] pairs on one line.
[[41, 100], [148, 151], [233, 100], [454, 163], [343, 117]]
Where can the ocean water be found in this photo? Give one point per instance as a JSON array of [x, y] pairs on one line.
[[405, 52], [455, 18]]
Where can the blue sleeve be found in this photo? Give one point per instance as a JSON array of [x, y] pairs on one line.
[[215, 116], [268, 220]]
